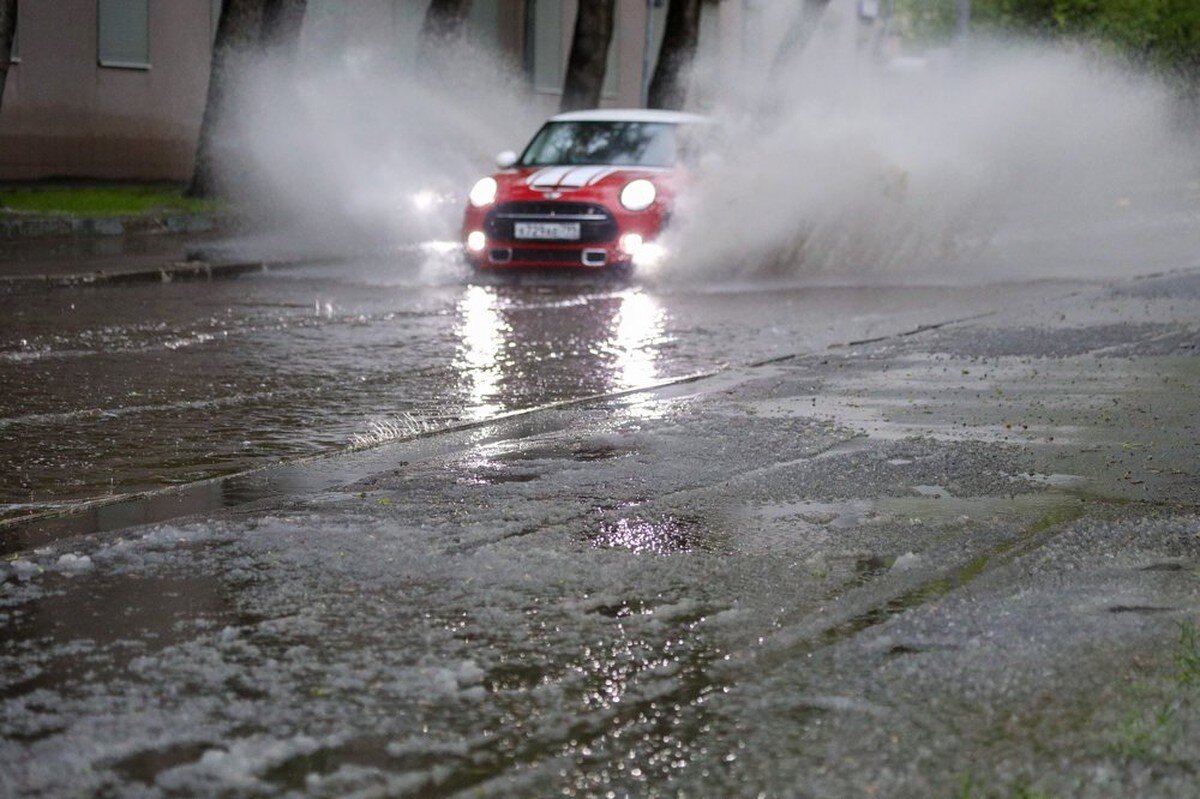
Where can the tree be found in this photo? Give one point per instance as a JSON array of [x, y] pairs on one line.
[[8, 27], [589, 54], [443, 26], [668, 87], [281, 22], [803, 26], [244, 27]]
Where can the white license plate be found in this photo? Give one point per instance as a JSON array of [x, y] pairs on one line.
[[555, 231]]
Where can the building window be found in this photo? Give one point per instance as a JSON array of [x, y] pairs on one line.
[[124, 33]]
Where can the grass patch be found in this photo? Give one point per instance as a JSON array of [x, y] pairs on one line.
[[1021, 789], [1148, 729], [1142, 732], [1056, 516], [1187, 655], [110, 201]]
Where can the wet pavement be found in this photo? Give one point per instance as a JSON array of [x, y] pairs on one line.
[[891, 541], [115, 390]]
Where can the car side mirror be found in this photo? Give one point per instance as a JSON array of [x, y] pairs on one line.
[[506, 159]]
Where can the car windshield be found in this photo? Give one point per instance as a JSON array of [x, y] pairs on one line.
[[612, 143]]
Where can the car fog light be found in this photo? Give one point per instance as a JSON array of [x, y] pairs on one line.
[[631, 243], [476, 241]]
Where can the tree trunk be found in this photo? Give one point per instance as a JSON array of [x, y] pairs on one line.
[[589, 54], [238, 28], [799, 32], [281, 22], [8, 27], [668, 87], [444, 25]]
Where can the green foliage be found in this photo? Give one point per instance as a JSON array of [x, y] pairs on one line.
[[924, 20], [1163, 34], [99, 201]]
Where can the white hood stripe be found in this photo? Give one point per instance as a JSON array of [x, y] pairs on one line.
[[571, 177], [601, 174], [548, 177]]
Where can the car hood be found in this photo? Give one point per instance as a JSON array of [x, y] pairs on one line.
[[567, 178], [576, 177]]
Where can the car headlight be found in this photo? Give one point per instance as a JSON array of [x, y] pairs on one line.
[[638, 195], [483, 192]]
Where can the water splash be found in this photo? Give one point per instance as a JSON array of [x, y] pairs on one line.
[[358, 150], [1009, 159]]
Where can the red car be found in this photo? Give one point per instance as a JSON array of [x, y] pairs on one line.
[[592, 190]]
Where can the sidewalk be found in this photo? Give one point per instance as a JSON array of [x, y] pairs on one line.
[[54, 262], [70, 236], [960, 555]]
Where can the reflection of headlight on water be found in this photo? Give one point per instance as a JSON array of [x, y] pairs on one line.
[[424, 200], [428, 200], [440, 247]]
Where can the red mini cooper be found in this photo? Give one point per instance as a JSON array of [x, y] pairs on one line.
[[593, 189]]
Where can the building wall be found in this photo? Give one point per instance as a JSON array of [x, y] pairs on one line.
[[65, 115]]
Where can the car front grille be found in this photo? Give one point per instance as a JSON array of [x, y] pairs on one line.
[[596, 223], [530, 255]]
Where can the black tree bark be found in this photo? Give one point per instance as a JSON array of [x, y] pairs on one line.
[[444, 25], [8, 27], [281, 22], [589, 54], [803, 26], [238, 28], [668, 87]]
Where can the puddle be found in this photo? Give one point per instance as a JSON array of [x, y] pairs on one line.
[[664, 535], [146, 766], [95, 624]]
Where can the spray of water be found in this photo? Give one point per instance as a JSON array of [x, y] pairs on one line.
[[1001, 160], [356, 149]]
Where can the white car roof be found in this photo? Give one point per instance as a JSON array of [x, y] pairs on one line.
[[629, 115]]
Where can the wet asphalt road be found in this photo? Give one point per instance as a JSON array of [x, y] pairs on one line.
[[898, 542], [123, 389]]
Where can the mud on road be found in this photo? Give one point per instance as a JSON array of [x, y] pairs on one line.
[[960, 561]]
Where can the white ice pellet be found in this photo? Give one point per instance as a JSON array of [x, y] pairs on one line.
[[74, 564], [25, 569], [469, 674]]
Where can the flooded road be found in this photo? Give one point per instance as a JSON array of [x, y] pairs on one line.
[[874, 551], [113, 390]]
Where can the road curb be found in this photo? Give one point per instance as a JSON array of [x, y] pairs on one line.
[[166, 273], [38, 226]]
